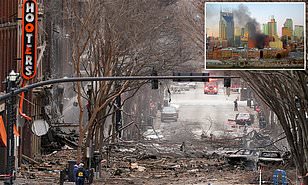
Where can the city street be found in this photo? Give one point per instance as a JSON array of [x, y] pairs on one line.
[[204, 113], [153, 92]]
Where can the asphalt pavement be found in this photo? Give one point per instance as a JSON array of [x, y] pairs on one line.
[[203, 113]]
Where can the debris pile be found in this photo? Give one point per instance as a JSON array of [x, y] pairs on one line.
[[150, 163], [56, 140], [45, 168]]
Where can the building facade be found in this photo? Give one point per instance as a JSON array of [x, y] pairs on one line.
[[286, 32], [10, 53], [299, 31], [265, 29], [8, 58], [226, 27], [272, 27], [289, 24]]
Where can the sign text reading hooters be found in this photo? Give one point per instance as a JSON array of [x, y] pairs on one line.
[[29, 38]]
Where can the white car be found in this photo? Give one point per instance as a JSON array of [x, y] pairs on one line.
[[151, 134]]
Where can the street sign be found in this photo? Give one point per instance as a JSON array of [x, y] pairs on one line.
[[29, 39], [191, 79]]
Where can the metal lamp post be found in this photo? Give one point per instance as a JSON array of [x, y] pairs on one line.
[[89, 148], [11, 86]]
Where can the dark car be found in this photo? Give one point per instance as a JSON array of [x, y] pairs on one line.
[[244, 119], [169, 113], [245, 157], [271, 158]]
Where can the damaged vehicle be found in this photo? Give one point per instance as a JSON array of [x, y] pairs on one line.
[[244, 157], [270, 158], [170, 114], [244, 119]]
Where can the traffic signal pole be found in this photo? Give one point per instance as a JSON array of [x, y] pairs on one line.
[[119, 78], [11, 109], [13, 90]]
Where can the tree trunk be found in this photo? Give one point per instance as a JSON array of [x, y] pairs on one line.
[[305, 180]]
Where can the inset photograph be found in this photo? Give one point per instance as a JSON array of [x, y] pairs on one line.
[[254, 35]]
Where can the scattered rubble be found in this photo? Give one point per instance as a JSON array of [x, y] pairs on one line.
[[45, 168]]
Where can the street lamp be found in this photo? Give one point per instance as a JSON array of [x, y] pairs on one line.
[[13, 77], [11, 84], [89, 148]]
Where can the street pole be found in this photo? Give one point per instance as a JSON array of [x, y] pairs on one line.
[[118, 116], [90, 147], [11, 119]]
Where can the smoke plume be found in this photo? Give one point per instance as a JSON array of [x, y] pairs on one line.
[[243, 19]]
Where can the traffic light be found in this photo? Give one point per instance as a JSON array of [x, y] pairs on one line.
[[227, 82], [154, 81], [191, 74]]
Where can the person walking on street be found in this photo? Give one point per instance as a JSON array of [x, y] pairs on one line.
[[75, 172], [235, 105], [81, 174]]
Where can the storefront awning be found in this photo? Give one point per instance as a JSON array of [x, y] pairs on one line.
[[2, 132]]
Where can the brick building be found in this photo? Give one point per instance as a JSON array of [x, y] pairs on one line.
[[10, 37]]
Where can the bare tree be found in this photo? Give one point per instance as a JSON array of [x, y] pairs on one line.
[[286, 93], [119, 38]]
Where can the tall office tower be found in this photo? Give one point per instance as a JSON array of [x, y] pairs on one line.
[[226, 27], [289, 24], [299, 31], [265, 29], [237, 36], [272, 27], [286, 32], [242, 32]]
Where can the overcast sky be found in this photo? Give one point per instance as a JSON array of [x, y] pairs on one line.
[[262, 12]]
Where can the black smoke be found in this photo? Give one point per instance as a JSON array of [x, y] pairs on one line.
[[260, 40], [244, 20], [242, 16]]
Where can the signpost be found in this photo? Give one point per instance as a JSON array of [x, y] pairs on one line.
[[13, 90], [29, 39]]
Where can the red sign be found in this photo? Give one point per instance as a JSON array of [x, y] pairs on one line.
[[29, 38]]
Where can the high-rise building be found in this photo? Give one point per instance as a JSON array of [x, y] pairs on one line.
[[265, 29], [226, 27], [289, 24], [272, 27], [242, 31], [286, 32], [237, 31], [277, 43], [299, 31], [237, 36]]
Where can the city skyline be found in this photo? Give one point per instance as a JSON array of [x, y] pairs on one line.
[[261, 12]]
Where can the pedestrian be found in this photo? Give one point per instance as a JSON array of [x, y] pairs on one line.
[[75, 172], [81, 174], [235, 105], [182, 147]]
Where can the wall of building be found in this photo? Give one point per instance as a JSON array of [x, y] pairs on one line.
[[9, 60], [8, 51]]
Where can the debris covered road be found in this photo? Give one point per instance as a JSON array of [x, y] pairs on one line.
[[192, 150]]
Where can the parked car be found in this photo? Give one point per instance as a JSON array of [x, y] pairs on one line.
[[270, 158], [169, 113], [184, 86], [244, 119], [192, 85], [247, 158]]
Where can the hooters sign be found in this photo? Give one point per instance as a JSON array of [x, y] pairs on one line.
[[29, 38]]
